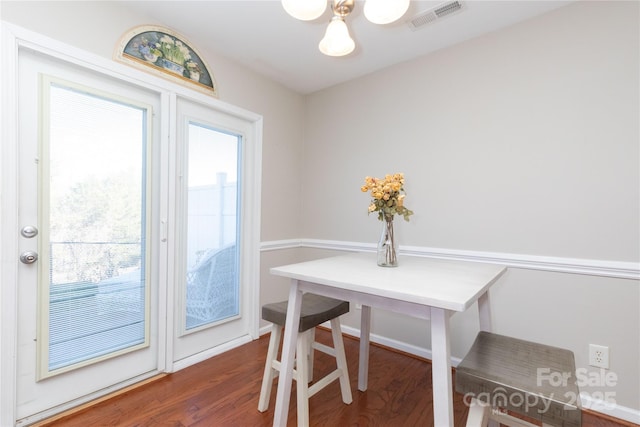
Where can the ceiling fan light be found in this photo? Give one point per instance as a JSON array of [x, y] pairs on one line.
[[337, 41], [304, 10], [385, 11]]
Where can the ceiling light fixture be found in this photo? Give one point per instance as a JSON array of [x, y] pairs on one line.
[[337, 41]]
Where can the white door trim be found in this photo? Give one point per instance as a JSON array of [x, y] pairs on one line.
[[8, 221]]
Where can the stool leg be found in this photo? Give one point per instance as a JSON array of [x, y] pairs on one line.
[[478, 414], [341, 361], [267, 377], [310, 350], [302, 377]]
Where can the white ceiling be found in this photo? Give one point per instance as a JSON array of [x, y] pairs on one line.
[[261, 36]]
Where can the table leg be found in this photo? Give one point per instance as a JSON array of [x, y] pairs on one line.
[[484, 311], [288, 354], [441, 368], [363, 363]]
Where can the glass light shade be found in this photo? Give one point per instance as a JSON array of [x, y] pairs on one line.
[[337, 41], [385, 11], [304, 10]]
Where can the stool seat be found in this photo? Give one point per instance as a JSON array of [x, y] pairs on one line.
[[316, 310], [535, 380]]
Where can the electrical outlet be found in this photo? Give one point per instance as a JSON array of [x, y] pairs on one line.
[[599, 356]]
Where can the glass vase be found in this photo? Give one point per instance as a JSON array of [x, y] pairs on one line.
[[387, 254]]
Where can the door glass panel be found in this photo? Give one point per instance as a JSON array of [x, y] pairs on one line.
[[212, 289], [94, 188]]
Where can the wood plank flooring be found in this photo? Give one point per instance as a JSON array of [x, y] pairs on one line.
[[224, 391]]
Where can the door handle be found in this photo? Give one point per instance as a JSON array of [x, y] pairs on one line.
[[28, 257]]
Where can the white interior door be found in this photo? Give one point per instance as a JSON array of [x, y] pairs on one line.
[[214, 290], [88, 280]]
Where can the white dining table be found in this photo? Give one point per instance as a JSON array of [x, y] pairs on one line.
[[420, 287]]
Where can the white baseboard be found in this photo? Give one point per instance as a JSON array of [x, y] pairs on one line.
[[207, 354], [422, 352], [611, 409]]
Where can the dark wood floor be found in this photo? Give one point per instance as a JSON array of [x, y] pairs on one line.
[[224, 391]]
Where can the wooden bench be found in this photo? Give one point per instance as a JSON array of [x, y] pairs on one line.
[[501, 376]]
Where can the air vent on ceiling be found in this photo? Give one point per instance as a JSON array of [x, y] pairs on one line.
[[431, 15]]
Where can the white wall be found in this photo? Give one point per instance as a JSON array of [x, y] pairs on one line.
[[522, 142]]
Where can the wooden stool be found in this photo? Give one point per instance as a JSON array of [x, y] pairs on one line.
[[503, 374], [315, 310]]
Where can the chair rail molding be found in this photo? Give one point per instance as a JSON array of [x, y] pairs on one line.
[[591, 267]]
